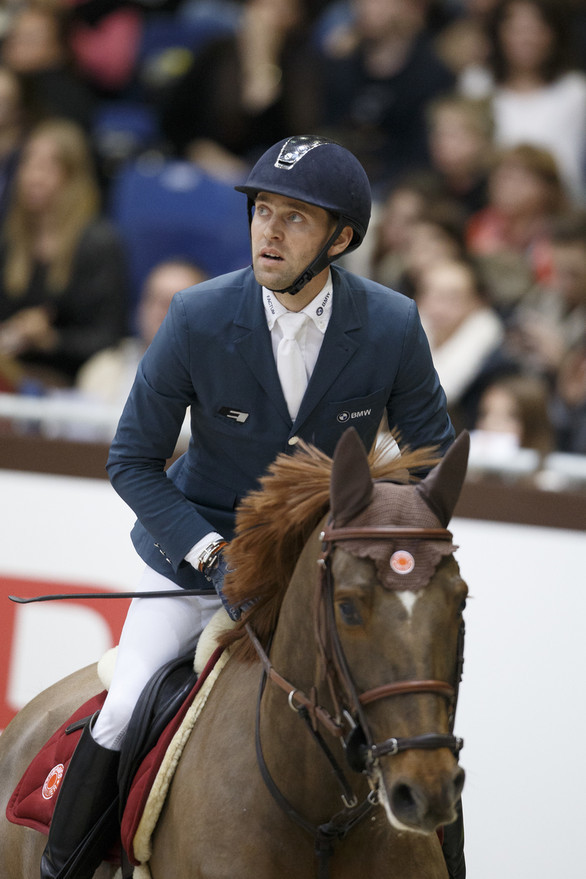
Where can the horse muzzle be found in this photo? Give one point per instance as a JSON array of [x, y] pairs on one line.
[[417, 800]]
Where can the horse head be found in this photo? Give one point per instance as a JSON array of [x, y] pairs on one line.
[[395, 632], [383, 660]]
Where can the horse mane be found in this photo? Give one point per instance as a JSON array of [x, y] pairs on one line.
[[274, 523]]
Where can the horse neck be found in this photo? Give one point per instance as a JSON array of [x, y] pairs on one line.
[[287, 743], [294, 652]]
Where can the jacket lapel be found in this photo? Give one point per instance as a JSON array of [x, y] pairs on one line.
[[255, 347], [339, 346]]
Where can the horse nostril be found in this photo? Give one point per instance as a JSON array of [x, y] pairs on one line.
[[404, 804]]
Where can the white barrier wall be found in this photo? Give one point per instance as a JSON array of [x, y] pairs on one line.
[[521, 711]]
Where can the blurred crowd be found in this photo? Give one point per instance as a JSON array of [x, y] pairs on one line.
[[468, 115]]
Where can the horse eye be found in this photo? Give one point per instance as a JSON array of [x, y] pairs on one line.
[[349, 613]]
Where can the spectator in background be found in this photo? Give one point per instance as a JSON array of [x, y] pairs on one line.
[[551, 318], [464, 332], [513, 413], [36, 48], [246, 90], [404, 204], [12, 126], [63, 284], [525, 194], [108, 375], [464, 44], [438, 234], [380, 73], [538, 94], [568, 407], [460, 134], [104, 38]]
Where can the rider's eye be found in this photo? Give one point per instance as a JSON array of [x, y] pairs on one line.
[[349, 612]]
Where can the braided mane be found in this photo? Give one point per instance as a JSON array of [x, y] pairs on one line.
[[274, 523]]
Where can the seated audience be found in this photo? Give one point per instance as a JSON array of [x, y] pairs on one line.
[[380, 74], [464, 332], [568, 408], [388, 234], [537, 91], [245, 91], [105, 38], [460, 134], [551, 318], [63, 280], [438, 234], [513, 413], [464, 43], [36, 48], [525, 195]]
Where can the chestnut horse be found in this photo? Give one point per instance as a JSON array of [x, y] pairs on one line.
[[335, 757]]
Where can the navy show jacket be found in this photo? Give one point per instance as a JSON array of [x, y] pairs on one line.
[[213, 353]]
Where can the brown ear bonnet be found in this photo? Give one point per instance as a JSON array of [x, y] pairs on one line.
[[402, 563]]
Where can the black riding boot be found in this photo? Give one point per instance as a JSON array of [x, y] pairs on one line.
[[85, 820], [453, 846]]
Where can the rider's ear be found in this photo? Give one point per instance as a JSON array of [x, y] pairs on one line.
[[351, 482], [341, 242]]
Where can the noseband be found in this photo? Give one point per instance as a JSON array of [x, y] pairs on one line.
[[363, 751]]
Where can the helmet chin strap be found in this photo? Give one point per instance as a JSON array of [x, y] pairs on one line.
[[317, 265], [320, 262]]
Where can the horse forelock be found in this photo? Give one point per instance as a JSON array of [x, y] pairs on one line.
[[274, 523]]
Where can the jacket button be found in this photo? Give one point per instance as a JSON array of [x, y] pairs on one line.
[[293, 440]]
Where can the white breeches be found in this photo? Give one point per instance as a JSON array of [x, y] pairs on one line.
[[156, 630]]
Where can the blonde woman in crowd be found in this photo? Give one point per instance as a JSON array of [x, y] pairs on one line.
[[62, 266]]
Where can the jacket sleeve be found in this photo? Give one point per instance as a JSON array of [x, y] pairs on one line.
[[146, 438], [417, 408]]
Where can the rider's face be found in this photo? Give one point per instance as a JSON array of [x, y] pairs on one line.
[[286, 236]]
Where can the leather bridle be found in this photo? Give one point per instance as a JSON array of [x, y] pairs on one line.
[[349, 722], [337, 670]]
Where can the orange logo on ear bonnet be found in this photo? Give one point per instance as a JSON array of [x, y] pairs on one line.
[[402, 562]]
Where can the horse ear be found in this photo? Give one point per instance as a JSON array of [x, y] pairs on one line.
[[442, 486], [351, 482]]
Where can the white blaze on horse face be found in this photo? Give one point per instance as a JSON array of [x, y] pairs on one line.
[[408, 600]]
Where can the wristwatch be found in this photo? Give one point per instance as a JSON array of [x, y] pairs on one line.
[[209, 557]]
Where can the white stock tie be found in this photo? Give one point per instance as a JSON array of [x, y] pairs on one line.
[[290, 362]]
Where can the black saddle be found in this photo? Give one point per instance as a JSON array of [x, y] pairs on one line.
[[160, 700]]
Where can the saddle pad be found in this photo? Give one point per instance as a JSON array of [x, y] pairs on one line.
[[34, 797], [154, 775]]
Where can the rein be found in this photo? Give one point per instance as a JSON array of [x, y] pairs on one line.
[[367, 751]]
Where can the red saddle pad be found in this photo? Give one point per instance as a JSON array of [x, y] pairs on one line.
[[34, 797]]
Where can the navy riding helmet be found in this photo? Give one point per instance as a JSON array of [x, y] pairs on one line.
[[319, 172]]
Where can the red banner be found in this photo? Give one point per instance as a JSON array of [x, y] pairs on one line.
[[25, 660]]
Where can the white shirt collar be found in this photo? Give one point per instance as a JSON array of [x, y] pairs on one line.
[[319, 309]]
